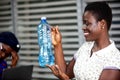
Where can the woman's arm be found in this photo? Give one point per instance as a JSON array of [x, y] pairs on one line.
[[110, 74], [15, 58], [58, 51], [67, 69]]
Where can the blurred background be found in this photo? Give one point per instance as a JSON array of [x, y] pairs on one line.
[[23, 16]]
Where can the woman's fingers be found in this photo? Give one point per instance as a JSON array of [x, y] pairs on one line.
[[56, 36], [15, 58], [57, 72], [57, 29], [55, 69]]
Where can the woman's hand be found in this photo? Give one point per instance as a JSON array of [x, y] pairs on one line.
[[15, 58], [56, 36], [57, 72]]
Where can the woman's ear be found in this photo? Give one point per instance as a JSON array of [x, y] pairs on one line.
[[103, 24], [15, 58]]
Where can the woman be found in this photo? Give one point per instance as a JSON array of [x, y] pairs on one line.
[[98, 58], [9, 46]]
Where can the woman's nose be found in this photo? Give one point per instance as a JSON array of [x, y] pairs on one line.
[[84, 27]]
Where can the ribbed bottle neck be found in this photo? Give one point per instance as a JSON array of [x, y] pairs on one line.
[[43, 21]]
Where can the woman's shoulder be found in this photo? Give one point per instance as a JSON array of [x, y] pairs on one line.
[[3, 64]]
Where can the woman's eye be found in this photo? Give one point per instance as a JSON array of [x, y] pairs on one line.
[[4, 50], [85, 24], [88, 24]]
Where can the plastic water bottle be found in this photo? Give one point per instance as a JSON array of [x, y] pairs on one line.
[[45, 45]]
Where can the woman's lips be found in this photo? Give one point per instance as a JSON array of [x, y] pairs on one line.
[[86, 33]]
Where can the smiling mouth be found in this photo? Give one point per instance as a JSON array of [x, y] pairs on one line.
[[86, 33]]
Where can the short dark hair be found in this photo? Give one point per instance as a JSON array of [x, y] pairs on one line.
[[100, 10]]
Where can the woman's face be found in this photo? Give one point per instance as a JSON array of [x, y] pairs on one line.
[[5, 51], [91, 27]]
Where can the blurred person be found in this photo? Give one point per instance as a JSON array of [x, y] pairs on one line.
[[98, 58], [9, 47]]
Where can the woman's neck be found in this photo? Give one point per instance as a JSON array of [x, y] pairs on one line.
[[100, 44]]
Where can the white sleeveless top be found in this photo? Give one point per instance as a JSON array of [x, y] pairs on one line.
[[90, 68]]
